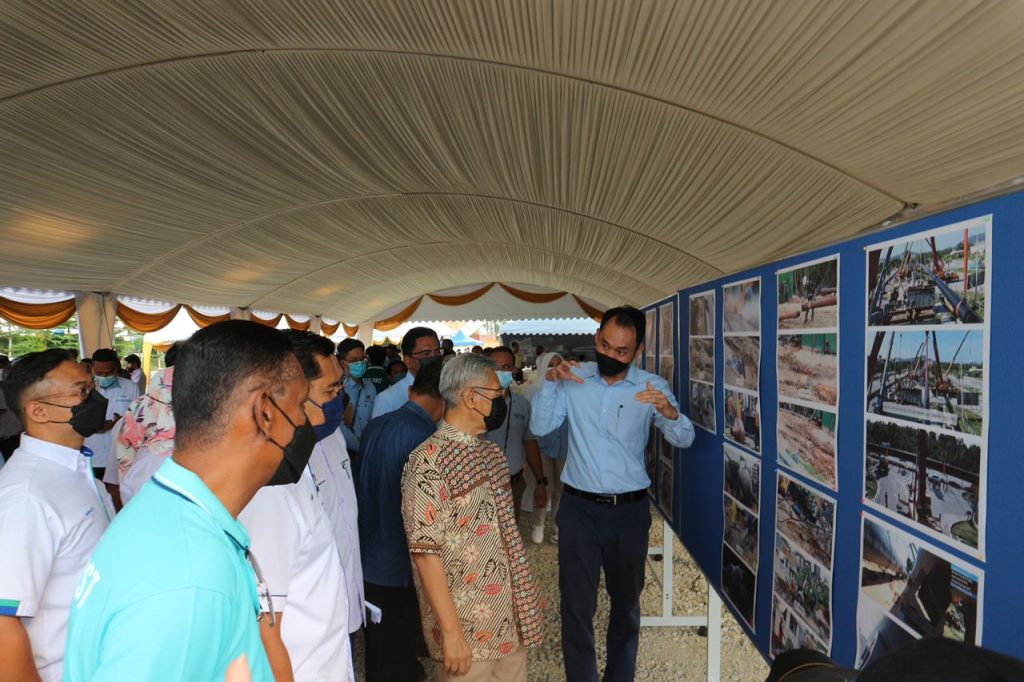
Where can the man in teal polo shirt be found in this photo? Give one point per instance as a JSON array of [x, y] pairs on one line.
[[171, 592]]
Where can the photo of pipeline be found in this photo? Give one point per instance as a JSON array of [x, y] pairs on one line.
[[809, 296]]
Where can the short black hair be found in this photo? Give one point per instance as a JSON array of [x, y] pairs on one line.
[[627, 316], [171, 355], [393, 363], [488, 351], [105, 355], [213, 365], [502, 349], [308, 347], [414, 335], [476, 348], [29, 370], [448, 341], [427, 381], [346, 346], [134, 359], [377, 356]]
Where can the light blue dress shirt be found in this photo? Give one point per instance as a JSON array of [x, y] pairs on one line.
[[362, 396], [394, 397], [608, 427]]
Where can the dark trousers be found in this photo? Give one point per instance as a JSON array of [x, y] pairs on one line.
[[393, 644], [592, 536]]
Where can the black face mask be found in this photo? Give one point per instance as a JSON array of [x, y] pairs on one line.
[[499, 410], [87, 417], [296, 452], [609, 366]]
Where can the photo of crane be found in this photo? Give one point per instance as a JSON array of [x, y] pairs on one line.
[[920, 586], [808, 367], [702, 314], [932, 479], [809, 295], [742, 361], [935, 378], [938, 277]]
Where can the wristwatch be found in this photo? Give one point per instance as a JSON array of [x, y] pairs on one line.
[[543, 480]]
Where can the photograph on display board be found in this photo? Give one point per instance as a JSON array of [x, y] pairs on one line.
[[739, 585], [809, 295], [932, 377], [651, 457], [743, 418], [806, 517], [742, 477], [878, 634], [650, 348], [741, 531], [742, 361], [804, 587], [702, 314], [702, 360], [933, 479], [666, 484], [808, 367], [919, 585], [807, 442], [666, 343], [741, 307], [936, 277], [789, 632], [702, 405]]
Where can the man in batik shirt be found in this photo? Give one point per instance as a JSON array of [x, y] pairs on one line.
[[477, 592]]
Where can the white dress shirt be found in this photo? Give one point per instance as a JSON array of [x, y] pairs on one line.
[[292, 540], [119, 397], [52, 515], [332, 474]]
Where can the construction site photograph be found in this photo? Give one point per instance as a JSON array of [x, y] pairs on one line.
[[877, 633], [935, 378], [930, 478], [808, 367], [741, 307], [666, 485], [702, 359], [741, 532], [742, 361], [666, 330], [650, 350], [806, 517], [922, 588], [935, 278], [666, 370], [702, 405], [804, 586], [739, 585], [807, 442], [702, 314], [743, 477], [743, 418], [789, 632], [809, 296]]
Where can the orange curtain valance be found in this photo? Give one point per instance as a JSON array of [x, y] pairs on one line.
[[531, 297], [272, 322], [398, 318], [350, 331], [595, 313], [37, 315], [146, 322], [205, 320], [463, 298], [296, 325]]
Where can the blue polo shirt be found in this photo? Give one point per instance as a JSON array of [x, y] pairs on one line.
[[387, 443], [169, 593]]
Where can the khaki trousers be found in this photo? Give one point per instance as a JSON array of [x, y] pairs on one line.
[[511, 668]]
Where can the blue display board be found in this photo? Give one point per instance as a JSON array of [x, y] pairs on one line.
[[697, 495]]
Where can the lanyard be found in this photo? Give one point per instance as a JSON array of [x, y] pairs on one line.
[[508, 421]]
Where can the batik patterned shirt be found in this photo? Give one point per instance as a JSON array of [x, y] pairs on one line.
[[457, 504]]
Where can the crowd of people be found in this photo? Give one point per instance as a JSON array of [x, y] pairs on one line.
[[268, 495]]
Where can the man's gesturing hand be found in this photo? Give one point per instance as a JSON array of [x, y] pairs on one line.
[[653, 396]]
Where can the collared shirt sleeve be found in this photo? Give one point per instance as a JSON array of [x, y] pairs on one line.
[[528, 408], [678, 431], [30, 536], [548, 408], [274, 539], [425, 502]]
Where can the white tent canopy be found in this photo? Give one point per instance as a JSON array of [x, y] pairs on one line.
[[578, 325], [341, 157]]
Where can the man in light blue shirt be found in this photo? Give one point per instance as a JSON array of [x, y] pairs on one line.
[[171, 590], [420, 347], [361, 393], [604, 517]]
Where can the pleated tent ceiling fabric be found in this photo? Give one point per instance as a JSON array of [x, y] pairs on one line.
[[339, 158]]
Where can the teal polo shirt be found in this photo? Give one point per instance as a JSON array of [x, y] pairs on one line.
[[169, 593]]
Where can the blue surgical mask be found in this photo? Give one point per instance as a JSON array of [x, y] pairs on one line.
[[504, 378], [334, 410], [106, 382], [356, 370]]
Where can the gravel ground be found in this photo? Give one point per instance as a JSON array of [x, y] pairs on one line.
[[669, 653]]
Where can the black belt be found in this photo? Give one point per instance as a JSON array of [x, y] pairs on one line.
[[621, 498], [516, 476]]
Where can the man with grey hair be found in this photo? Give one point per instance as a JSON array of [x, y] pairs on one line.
[[461, 528]]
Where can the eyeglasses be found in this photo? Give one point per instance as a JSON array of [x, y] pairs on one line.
[[81, 393], [487, 388]]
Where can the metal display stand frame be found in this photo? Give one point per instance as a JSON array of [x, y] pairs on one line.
[[712, 620]]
